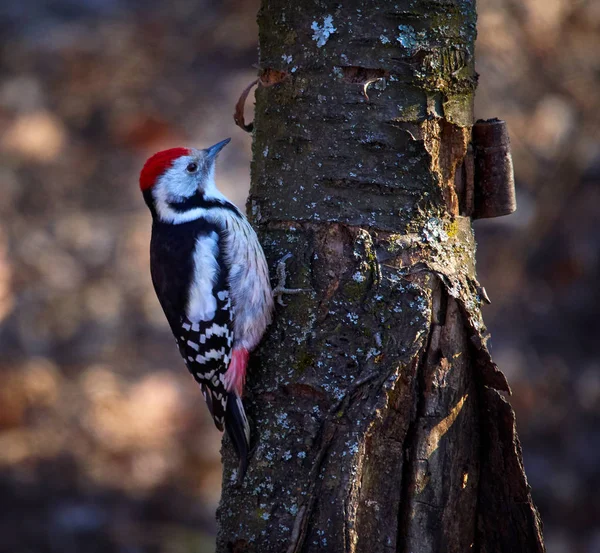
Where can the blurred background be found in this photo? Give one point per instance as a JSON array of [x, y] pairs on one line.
[[105, 445]]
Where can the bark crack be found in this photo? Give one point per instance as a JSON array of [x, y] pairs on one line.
[[328, 434], [409, 447]]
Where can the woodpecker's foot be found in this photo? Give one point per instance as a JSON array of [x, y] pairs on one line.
[[280, 289]]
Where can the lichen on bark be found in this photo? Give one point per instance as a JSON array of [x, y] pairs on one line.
[[368, 395]]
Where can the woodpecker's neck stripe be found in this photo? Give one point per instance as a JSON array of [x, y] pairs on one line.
[[199, 200]]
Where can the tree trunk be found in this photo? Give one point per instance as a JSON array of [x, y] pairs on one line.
[[377, 419]]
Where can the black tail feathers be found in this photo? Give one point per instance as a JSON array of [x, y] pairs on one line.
[[238, 430]]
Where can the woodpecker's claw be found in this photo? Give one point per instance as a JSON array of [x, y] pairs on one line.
[[280, 289]]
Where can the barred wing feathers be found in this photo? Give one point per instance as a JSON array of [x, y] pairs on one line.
[[206, 349]]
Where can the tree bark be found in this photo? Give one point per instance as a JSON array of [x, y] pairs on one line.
[[378, 422]]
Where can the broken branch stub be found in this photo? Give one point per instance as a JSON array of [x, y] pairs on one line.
[[494, 177]]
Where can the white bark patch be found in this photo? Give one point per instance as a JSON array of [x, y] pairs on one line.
[[322, 33], [202, 304]]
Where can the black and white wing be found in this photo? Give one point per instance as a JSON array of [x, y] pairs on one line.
[[206, 349]]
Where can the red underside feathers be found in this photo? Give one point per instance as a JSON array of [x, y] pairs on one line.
[[235, 377]]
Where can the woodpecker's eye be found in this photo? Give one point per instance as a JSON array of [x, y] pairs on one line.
[[192, 167]]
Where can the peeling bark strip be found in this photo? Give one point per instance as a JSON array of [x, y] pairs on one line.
[[238, 115], [377, 424], [268, 77]]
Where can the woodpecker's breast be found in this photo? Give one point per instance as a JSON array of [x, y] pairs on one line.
[[248, 280]]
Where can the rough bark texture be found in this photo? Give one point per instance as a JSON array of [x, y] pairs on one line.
[[377, 423]]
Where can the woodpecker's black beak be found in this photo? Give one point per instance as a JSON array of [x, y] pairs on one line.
[[212, 152]]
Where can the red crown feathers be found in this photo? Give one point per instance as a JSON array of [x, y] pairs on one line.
[[158, 164]]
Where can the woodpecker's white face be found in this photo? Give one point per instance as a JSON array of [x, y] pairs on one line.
[[179, 184]]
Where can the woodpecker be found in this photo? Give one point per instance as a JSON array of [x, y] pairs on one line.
[[211, 278]]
